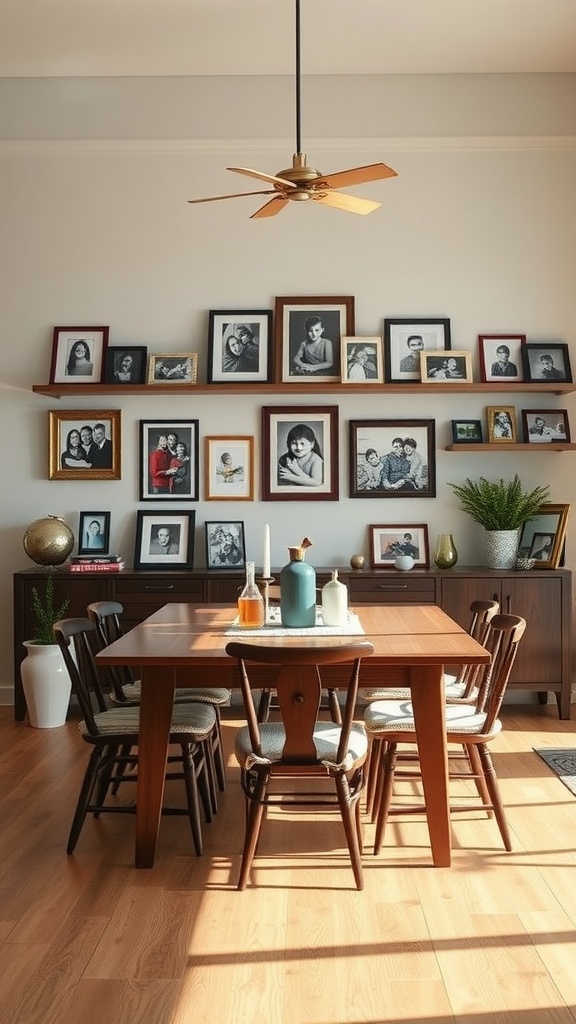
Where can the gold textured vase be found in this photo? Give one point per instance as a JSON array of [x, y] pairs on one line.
[[48, 541]]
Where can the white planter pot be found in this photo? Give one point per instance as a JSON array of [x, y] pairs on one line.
[[501, 548], [46, 684]]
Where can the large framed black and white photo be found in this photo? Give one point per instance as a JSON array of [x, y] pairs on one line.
[[405, 339], [239, 346], [308, 335], [78, 355], [85, 444], [169, 460], [164, 540], [392, 459], [300, 453], [225, 545]]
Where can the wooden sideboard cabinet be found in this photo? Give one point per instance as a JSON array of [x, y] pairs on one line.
[[543, 597]]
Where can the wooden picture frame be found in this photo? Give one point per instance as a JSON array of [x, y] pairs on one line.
[[78, 355], [239, 346], [444, 368], [164, 540], [501, 424], [466, 431], [173, 369], [225, 545], [545, 535], [405, 339], [547, 363], [500, 357], [388, 541], [228, 468], [125, 364], [168, 460], [361, 360], [544, 426], [94, 533], [392, 459], [308, 334], [300, 453], [85, 444]]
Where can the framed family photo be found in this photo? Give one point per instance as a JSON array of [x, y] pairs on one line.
[[93, 533], [543, 537], [78, 355], [392, 459], [501, 422], [549, 363], [239, 346], [84, 444], [164, 541], [386, 542], [501, 357], [225, 545], [541, 426], [168, 460], [300, 453], [229, 468], [308, 335], [173, 368], [439, 367], [125, 364], [466, 431], [405, 339], [361, 360]]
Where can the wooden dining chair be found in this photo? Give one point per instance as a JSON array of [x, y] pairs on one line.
[[113, 735], [301, 746], [469, 726]]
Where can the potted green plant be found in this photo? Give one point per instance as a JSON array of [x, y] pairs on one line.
[[45, 679], [501, 507]]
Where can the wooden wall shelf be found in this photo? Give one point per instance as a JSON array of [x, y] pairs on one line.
[[551, 446], [253, 388]]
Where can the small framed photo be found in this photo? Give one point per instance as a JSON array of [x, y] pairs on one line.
[[541, 426], [501, 422], [126, 364], [439, 367], [239, 346], [308, 336], [300, 453], [168, 460], [78, 355], [164, 541], [361, 360], [94, 533], [466, 432], [386, 542], [405, 339], [546, 363], [542, 538], [392, 459], [85, 444], [229, 468], [501, 357], [225, 546], [173, 368]]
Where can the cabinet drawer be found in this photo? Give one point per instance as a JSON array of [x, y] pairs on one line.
[[141, 597], [393, 588]]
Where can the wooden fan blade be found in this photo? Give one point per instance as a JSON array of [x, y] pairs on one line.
[[262, 176], [272, 208], [343, 202], [232, 195], [358, 175]]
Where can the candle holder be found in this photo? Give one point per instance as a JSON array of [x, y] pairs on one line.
[[264, 585]]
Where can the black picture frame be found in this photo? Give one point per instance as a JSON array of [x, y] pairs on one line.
[[547, 363], [151, 553], [284, 426], [91, 541], [467, 431], [250, 357], [545, 426], [295, 317], [172, 477], [401, 358], [117, 372], [377, 449], [225, 545]]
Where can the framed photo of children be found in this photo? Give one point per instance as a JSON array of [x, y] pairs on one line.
[[164, 541], [229, 468], [542, 538], [93, 533], [239, 346], [405, 339], [168, 460], [542, 426], [501, 357], [501, 421], [361, 360], [78, 355], [441, 367], [85, 444], [225, 546], [386, 542], [174, 368], [300, 453], [308, 334], [392, 459]]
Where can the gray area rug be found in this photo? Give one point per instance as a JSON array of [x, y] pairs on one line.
[[561, 760]]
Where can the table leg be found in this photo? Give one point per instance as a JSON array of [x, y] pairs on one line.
[[155, 716], [430, 722]]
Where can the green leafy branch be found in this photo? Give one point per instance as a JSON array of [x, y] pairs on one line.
[[45, 613], [501, 504]]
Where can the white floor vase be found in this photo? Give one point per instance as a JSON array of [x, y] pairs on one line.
[[46, 684]]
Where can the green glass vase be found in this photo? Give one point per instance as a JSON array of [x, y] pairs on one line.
[[445, 553]]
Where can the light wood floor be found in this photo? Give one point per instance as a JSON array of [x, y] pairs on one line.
[[88, 939]]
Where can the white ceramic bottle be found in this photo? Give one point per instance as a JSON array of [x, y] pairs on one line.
[[334, 602]]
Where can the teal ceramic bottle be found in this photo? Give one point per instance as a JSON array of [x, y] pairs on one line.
[[298, 591]]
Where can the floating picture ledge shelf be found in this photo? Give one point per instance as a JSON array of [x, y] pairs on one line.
[[550, 446]]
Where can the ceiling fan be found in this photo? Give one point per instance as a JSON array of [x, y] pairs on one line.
[[301, 182]]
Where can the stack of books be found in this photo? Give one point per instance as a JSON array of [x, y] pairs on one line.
[[96, 563]]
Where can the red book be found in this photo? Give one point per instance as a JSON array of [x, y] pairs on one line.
[[96, 567]]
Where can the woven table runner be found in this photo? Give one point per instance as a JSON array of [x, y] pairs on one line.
[[274, 627]]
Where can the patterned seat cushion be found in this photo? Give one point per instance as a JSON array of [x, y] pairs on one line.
[[397, 716], [326, 738], [207, 695], [193, 720]]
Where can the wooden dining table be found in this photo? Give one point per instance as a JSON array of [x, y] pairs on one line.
[[184, 645]]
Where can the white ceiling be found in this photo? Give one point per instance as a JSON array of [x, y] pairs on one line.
[[256, 37]]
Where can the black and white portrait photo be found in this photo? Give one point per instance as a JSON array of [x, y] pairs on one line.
[[225, 547], [85, 448], [547, 362], [309, 336], [164, 541], [405, 339], [445, 366], [78, 355], [299, 453], [93, 533], [126, 365], [239, 345]]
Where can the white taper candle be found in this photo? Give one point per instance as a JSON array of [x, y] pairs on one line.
[[266, 561]]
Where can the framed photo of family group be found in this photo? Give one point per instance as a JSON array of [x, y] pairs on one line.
[[168, 460], [392, 459], [85, 444]]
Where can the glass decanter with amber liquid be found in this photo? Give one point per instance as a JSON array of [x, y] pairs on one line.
[[250, 603]]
